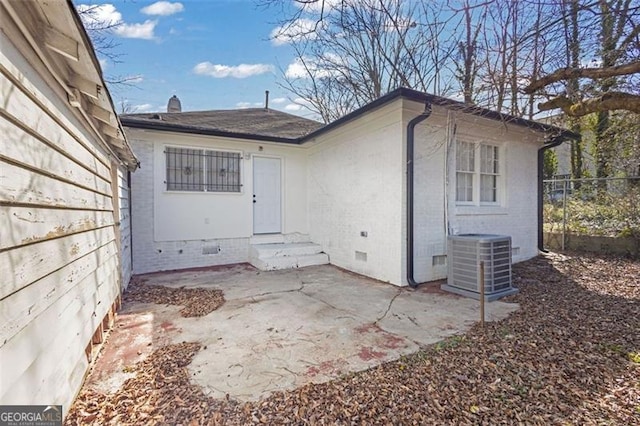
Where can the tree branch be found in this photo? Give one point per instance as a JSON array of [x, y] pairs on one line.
[[607, 102], [594, 73]]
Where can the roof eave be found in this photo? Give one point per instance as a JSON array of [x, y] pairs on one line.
[[168, 127], [418, 96], [122, 148]]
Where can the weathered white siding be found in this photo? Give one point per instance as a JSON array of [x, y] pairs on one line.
[[59, 265], [171, 228], [355, 185]]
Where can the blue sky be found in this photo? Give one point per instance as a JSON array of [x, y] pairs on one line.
[[216, 54]]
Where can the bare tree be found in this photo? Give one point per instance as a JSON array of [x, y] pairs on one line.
[[365, 49], [101, 34], [466, 64], [616, 39], [570, 9], [515, 56]]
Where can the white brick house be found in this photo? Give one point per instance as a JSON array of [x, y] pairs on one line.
[[215, 186]]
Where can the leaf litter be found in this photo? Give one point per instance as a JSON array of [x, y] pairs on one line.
[[196, 302], [566, 357]]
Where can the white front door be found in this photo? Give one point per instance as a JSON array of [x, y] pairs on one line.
[[266, 195]]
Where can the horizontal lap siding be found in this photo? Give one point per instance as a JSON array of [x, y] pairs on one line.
[[59, 265]]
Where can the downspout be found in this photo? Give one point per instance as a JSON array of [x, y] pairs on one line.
[[411, 127], [554, 142]]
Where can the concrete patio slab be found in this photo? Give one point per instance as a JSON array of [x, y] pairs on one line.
[[282, 329]]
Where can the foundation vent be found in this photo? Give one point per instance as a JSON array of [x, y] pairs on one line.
[[440, 260], [361, 256], [209, 249]]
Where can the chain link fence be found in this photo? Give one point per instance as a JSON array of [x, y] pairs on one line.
[[598, 207]]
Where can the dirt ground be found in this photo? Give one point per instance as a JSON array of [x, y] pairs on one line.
[[569, 355]]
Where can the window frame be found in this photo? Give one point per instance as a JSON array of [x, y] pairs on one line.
[[495, 165], [478, 171], [204, 170]]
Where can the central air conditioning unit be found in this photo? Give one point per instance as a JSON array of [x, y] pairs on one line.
[[465, 252]]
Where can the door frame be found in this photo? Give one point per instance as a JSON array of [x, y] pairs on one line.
[[282, 192]]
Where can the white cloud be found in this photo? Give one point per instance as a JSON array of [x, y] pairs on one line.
[[162, 8], [106, 15], [237, 71], [296, 70], [134, 79], [298, 104], [278, 101], [306, 68], [297, 30], [103, 63], [143, 31], [318, 6], [143, 108]]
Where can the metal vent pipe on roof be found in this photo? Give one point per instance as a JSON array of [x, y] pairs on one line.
[[266, 100]]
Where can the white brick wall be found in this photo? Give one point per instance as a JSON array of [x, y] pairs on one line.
[[355, 182], [355, 185], [125, 227], [437, 216], [429, 189], [150, 255], [517, 215], [184, 249]]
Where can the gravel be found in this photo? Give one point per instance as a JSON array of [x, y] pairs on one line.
[[570, 355]]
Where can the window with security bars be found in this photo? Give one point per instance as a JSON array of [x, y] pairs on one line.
[[477, 176], [202, 170]]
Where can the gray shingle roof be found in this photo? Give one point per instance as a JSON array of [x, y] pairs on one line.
[[277, 126], [253, 123]]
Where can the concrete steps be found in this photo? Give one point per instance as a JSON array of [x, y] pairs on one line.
[[273, 256]]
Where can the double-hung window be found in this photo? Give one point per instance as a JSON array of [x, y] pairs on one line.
[[477, 173], [190, 169], [465, 170], [489, 173]]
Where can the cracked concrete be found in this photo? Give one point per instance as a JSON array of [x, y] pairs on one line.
[[281, 329]]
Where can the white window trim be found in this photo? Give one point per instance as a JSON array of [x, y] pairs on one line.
[[202, 148], [501, 184]]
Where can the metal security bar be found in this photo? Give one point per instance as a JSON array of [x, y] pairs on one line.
[[202, 170], [223, 171]]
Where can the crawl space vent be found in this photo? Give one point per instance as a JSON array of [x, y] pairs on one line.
[[208, 249]]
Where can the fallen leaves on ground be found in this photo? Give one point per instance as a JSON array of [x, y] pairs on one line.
[[160, 393], [564, 358], [197, 302]]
